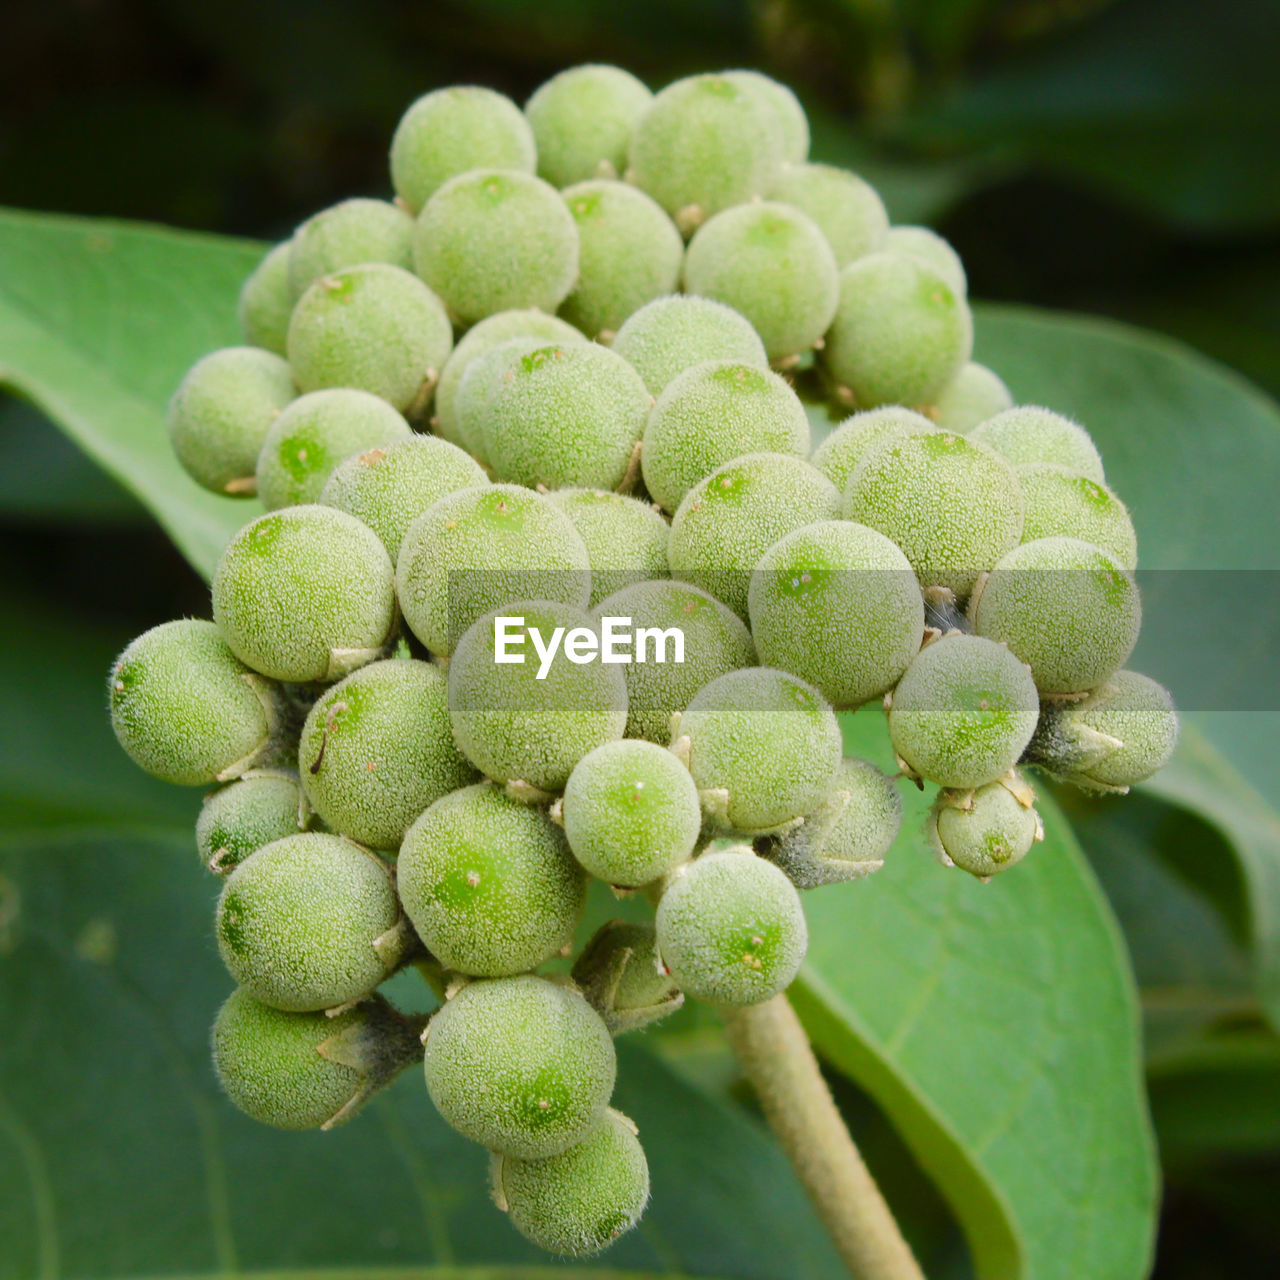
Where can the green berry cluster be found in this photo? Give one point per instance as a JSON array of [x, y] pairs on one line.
[[566, 377]]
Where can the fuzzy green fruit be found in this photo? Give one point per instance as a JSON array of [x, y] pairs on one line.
[[839, 455], [971, 397], [484, 381], [848, 210], [266, 301], [988, 830], [626, 539], [785, 107], [1064, 504], [929, 247], [259, 807], [1028, 434], [623, 979], [349, 234]]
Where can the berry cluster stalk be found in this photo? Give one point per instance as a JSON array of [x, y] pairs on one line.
[[774, 1051]]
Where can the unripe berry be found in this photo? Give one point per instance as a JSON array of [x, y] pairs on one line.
[[579, 1202], [988, 830], [1028, 434], [840, 454], [257, 808], [304, 594], [785, 107], [493, 239], [221, 413], [521, 1065], [309, 922], [848, 210], [772, 263], [450, 131], [972, 396], [930, 248], [375, 327], [731, 928], [489, 883], [963, 713], [266, 301], [1064, 504], [626, 539], [762, 746], [349, 234], [712, 413], [1067, 609], [623, 979], [483, 382]]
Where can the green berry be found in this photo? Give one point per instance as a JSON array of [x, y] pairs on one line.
[[309, 922], [901, 332], [376, 750], [221, 413], [626, 539], [953, 506], [772, 263], [715, 642], [669, 335], [452, 130], [786, 108], [837, 604], [712, 413], [374, 327], [762, 746], [963, 713], [566, 415], [315, 433], [731, 928], [186, 710], [729, 520], [1028, 434], [304, 594], [630, 812], [494, 239], [388, 487], [988, 830], [1069, 610], [489, 883], [266, 301], [1063, 503], [516, 727], [848, 210], [929, 247], [579, 1202], [623, 979], [475, 549], [521, 1065], [257, 808], [483, 382], [629, 252], [972, 396], [838, 456], [349, 234], [582, 121]]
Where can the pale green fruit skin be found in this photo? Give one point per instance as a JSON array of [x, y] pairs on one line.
[[716, 642], [222, 411], [349, 234], [516, 728], [848, 210], [713, 413], [247, 814], [900, 332], [582, 121], [931, 248], [729, 520], [449, 131], [389, 487], [376, 750], [304, 594], [954, 507], [566, 415], [731, 929], [1064, 504], [767, 738], [704, 144], [489, 883], [1029, 434], [972, 396], [963, 712], [839, 455], [1069, 610], [771, 262], [494, 239], [474, 549], [626, 539], [837, 604], [629, 252], [581, 1201], [374, 327], [297, 921], [631, 812], [266, 301], [521, 1065], [315, 433], [489, 333], [185, 708], [786, 108], [993, 834], [669, 335], [481, 385]]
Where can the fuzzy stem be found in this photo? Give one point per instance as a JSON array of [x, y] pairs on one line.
[[774, 1051]]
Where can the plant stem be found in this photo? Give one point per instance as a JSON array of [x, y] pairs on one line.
[[774, 1051]]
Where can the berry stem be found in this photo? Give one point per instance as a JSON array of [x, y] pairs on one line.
[[774, 1052]]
